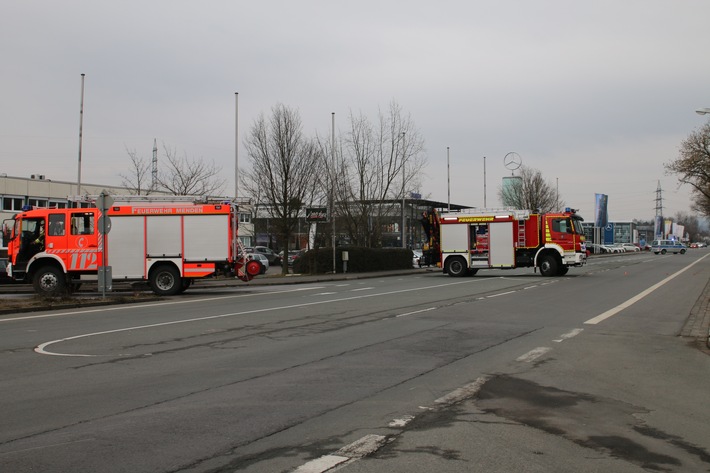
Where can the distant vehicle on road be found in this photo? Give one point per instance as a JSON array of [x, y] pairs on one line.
[[630, 247], [273, 258], [668, 246]]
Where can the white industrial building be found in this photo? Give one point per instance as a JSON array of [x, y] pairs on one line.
[[39, 191]]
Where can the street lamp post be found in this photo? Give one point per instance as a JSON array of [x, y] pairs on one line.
[[404, 181]]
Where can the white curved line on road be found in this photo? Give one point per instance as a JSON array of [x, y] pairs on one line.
[[154, 304], [611, 312], [42, 349]]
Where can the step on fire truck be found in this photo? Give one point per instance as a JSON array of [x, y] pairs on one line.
[[168, 241], [465, 241]]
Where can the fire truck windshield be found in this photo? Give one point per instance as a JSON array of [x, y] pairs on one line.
[[577, 224]]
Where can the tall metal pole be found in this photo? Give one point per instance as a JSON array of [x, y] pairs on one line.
[[448, 180], [404, 178], [154, 169], [236, 145], [485, 206], [332, 181], [81, 131]]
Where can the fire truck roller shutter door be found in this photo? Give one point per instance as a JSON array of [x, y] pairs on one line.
[[164, 236], [206, 237], [126, 247]]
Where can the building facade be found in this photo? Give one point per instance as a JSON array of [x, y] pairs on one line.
[[38, 191]]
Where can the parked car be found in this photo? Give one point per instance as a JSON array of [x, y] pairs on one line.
[[273, 258], [263, 260], [416, 258], [668, 246], [293, 255], [630, 247], [4, 278]]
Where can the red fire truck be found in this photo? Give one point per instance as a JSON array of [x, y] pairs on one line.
[[468, 240], [168, 241]]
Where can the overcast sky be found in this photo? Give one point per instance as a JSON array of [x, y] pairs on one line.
[[596, 95]]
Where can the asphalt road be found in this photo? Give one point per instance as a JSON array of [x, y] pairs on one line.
[[504, 371]]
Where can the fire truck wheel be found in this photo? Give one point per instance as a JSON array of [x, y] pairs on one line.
[[186, 283], [49, 281], [548, 266], [456, 266], [165, 280], [563, 270]]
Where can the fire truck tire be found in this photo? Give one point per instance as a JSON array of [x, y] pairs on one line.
[[49, 281], [186, 283], [563, 270], [456, 266], [548, 266], [472, 272], [165, 280]]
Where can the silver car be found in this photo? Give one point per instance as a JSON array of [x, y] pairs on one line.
[[261, 259]]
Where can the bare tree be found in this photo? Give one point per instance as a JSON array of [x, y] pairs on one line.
[[691, 224], [284, 168], [180, 176], [693, 167], [185, 176], [530, 192], [138, 182], [379, 166]]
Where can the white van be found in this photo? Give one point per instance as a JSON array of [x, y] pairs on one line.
[[665, 246]]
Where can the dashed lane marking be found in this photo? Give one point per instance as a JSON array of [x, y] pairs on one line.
[[533, 354]]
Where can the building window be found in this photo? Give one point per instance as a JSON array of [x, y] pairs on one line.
[[37, 202], [57, 204], [246, 241], [12, 203], [244, 217]]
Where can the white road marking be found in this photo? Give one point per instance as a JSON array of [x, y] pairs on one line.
[[416, 312], [42, 349], [611, 312], [533, 354], [354, 451], [363, 289], [464, 392], [502, 294], [319, 465], [568, 335], [399, 423], [155, 304]]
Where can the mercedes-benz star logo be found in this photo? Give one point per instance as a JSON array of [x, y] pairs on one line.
[[512, 161]]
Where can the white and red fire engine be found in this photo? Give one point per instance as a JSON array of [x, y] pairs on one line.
[[168, 241], [468, 240]]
